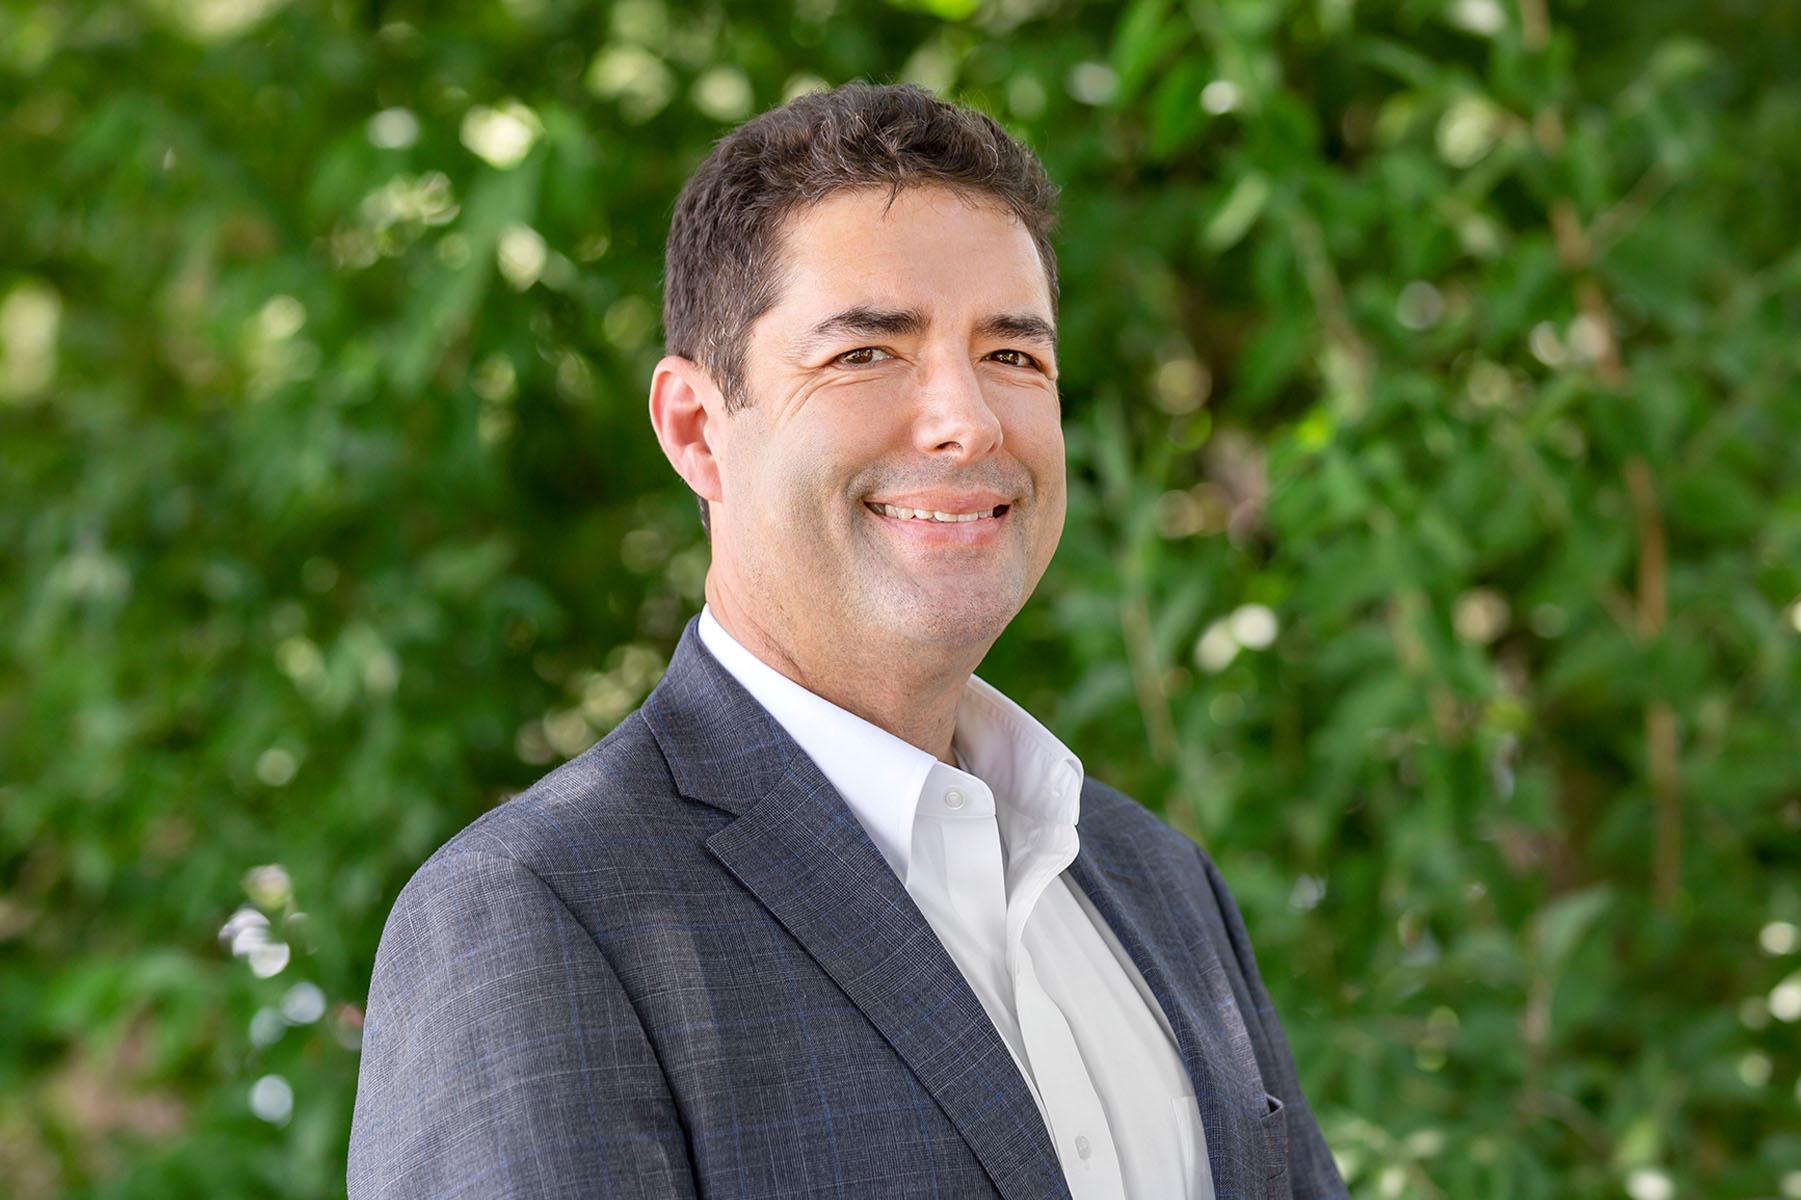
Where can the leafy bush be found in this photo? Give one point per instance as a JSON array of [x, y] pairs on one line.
[[1434, 554]]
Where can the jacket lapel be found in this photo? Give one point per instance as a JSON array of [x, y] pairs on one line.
[[798, 848], [1190, 983]]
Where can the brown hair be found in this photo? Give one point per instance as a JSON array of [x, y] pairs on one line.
[[720, 264]]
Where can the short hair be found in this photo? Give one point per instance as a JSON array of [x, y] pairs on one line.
[[721, 269]]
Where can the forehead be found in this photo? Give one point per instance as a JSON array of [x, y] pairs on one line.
[[927, 246]]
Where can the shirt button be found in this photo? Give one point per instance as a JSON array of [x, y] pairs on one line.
[[953, 798], [1084, 1147]]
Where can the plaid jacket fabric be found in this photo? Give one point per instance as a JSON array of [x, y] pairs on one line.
[[677, 966]]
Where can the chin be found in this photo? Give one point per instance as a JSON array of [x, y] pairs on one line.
[[959, 623]]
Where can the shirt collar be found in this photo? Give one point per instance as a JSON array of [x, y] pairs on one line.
[[1035, 780]]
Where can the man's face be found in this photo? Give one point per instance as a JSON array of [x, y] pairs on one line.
[[908, 368]]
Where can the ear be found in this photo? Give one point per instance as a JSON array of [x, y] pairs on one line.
[[688, 413]]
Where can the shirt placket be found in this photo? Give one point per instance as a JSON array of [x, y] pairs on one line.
[[973, 872], [1078, 1122], [957, 878]]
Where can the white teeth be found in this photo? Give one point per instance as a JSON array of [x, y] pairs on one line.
[[923, 514]]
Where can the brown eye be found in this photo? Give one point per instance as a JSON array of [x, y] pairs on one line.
[[1014, 358], [862, 357]]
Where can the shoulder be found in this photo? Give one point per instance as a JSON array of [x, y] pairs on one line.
[[605, 805], [1135, 846], [1121, 824], [624, 770], [582, 848]]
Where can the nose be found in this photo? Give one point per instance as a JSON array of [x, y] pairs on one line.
[[954, 416]]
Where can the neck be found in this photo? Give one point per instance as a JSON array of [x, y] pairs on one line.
[[910, 691]]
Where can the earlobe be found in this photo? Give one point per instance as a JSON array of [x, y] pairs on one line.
[[687, 412]]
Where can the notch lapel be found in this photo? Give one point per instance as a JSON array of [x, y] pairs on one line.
[[798, 848]]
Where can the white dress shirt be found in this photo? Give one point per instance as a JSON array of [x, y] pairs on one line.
[[982, 852]]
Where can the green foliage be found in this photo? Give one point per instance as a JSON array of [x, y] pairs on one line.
[[1431, 380]]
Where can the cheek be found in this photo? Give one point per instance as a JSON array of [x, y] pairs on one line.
[[1035, 435], [858, 418], [805, 495], [851, 433]]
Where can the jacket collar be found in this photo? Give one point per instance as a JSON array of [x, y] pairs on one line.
[[723, 749]]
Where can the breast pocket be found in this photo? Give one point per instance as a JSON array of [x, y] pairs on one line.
[[1275, 1148]]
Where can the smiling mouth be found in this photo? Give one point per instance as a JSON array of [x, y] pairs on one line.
[[941, 518]]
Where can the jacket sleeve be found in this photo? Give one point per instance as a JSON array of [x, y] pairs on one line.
[[1312, 1173], [501, 1055]]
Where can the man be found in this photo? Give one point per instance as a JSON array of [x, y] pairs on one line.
[[816, 920]]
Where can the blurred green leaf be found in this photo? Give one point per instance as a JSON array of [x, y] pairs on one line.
[[331, 519]]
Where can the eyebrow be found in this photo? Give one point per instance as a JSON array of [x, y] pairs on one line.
[[866, 320], [1024, 327]]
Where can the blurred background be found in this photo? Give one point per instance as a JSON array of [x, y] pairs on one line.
[[1431, 376]]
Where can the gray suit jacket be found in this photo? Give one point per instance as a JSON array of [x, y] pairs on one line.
[[677, 966]]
